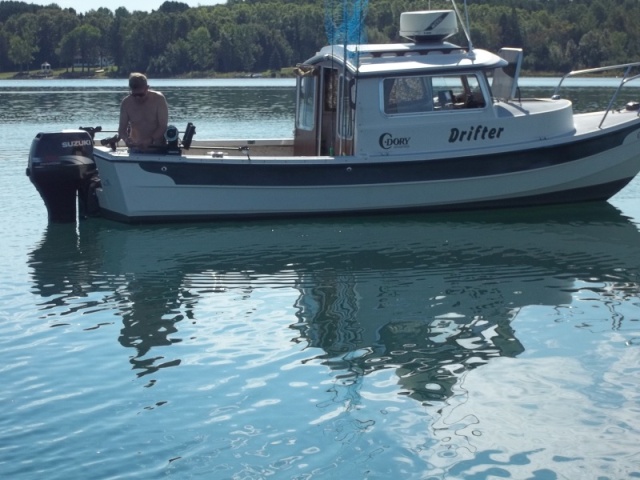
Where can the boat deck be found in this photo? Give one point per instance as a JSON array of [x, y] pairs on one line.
[[278, 147]]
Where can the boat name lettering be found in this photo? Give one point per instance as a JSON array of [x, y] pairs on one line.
[[388, 141], [479, 132], [76, 143]]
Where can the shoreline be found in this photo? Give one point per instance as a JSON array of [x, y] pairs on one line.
[[97, 75]]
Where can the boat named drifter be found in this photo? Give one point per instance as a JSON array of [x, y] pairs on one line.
[[424, 125]]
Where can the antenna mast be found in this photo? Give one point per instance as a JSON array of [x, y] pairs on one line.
[[464, 24]]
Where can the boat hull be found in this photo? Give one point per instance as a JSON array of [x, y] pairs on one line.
[[153, 188]]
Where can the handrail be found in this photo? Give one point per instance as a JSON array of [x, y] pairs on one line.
[[625, 80]]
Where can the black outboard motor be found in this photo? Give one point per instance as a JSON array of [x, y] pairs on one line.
[[62, 169]]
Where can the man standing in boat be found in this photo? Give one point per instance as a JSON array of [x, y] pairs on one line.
[[144, 115]]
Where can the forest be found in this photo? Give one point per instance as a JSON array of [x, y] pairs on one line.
[[270, 35]]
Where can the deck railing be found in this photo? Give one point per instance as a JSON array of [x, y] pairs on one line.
[[628, 67]]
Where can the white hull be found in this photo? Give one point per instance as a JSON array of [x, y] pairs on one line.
[[130, 193]]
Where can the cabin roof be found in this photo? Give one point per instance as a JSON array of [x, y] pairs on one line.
[[407, 58]]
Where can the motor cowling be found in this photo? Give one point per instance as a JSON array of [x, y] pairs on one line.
[[62, 169]]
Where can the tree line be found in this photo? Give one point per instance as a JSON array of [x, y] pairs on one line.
[[269, 35]]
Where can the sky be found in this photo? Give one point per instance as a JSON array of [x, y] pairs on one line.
[[83, 6]]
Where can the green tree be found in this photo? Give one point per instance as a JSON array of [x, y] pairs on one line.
[[67, 51], [593, 49], [102, 19], [5, 63], [135, 57], [200, 48], [88, 44], [177, 58], [21, 52], [253, 35], [173, 7], [118, 27], [237, 48], [80, 46], [511, 33]]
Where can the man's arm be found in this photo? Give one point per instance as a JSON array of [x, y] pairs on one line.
[[162, 113], [123, 125]]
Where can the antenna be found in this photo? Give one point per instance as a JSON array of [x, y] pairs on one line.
[[343, 21], [465, 25]]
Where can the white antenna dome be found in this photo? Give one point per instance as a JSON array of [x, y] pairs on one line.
[[428, 26]]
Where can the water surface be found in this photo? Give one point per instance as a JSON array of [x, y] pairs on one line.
[[500, 344]]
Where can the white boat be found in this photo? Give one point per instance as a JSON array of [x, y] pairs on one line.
[[417, 126]]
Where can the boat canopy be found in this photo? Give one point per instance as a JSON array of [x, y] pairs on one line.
[[410, 58]]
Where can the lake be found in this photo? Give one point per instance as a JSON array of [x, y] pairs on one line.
[[502, 344]]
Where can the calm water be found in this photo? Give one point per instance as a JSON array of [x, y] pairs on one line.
[[467, 346]]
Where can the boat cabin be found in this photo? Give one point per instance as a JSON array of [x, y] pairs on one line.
[[373, 99]]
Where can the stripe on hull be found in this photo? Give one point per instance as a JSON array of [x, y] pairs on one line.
[[330, 174], [594, 193]]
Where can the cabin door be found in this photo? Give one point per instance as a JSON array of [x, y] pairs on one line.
[[319, 102], [345, 125], [336, 114], [305, 141]]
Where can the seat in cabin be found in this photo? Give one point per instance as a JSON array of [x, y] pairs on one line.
[[446, 99]]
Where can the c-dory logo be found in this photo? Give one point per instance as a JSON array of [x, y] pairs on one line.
[[388, 141]]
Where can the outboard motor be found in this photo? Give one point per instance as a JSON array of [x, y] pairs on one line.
[[62, 169]]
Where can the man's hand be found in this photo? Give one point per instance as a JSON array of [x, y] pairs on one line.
[[130, 143]]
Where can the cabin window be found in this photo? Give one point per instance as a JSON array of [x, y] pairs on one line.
[[431, 93], [456, 91], [330, 90], [406, 95], [305, 119]]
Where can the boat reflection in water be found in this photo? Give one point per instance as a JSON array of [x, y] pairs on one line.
[[428, 296]]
